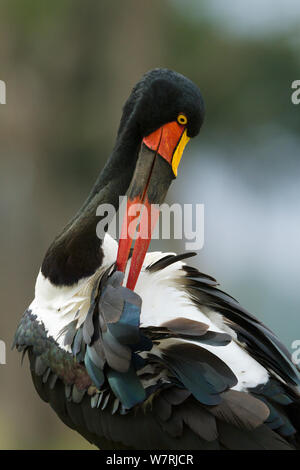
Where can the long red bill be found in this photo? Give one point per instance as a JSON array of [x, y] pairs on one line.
[[156, 166]]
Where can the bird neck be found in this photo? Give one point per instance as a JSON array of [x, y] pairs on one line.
[[77, 251]]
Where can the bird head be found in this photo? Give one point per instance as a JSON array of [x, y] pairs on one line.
[[165, 110]]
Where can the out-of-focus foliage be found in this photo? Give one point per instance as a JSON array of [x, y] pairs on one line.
[[246, 83], [69, 66]]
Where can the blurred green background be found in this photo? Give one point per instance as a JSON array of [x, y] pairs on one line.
[[69, 65]]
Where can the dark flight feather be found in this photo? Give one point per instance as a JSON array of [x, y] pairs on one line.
[[94, 372], [261, 342], [176, 396], [261, 438], [167, 261], [200, 371], [186, 326], [241, 409], [127, 387], [200, 421], [161, 408], [118, 355], [77, 342], [40, 365]]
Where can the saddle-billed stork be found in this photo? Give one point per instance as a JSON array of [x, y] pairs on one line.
[[169, 361]]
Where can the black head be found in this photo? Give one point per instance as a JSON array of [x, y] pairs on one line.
[[159, 97], [164, 110]]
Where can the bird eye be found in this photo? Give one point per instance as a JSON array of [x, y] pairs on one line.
[[182, 119]]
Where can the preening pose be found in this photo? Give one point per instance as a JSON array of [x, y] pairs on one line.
[[137, 350]]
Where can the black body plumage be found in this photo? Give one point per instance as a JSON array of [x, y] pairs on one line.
[[181, 397]]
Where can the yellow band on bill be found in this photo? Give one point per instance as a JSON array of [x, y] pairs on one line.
[[179, 151]]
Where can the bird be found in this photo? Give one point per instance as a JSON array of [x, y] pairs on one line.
[[139, 350]]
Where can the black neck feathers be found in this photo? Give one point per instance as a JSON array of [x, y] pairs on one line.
[[77, 252]]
